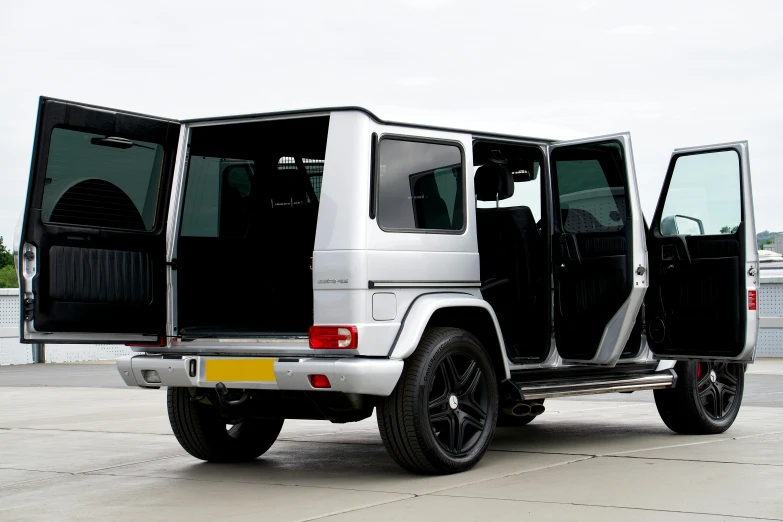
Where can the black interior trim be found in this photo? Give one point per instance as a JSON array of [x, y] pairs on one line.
[[373, 169]]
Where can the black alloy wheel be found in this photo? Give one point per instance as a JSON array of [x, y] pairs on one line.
[[441, 415], [458, 403], [706, 399], [717, 387]]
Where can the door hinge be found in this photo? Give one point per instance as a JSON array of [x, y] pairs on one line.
[[172, 264], [29, 309]]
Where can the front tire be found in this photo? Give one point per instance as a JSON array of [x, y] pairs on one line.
[[203, 433], [706, 399], [441, 415]]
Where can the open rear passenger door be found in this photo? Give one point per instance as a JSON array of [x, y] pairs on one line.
[[93, 263], [597, 247], [703, 259]]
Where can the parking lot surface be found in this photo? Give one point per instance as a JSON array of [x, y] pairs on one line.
[[76, 444]]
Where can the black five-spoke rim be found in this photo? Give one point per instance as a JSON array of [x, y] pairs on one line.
[[458, 399], [717, 387]]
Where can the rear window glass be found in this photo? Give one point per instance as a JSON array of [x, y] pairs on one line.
[[420, 186], [91, 183]]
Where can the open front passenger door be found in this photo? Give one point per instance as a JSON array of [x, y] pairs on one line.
[[703, 259], [93, 264], [597, 247]]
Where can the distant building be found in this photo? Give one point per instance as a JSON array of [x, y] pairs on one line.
[[777, 244]]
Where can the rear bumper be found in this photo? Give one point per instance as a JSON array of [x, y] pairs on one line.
[[347, 375]]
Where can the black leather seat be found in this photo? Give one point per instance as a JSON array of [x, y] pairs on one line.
[[513, 264]]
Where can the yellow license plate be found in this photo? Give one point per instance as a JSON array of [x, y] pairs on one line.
[[240, 370]]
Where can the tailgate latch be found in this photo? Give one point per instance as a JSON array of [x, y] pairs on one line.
[[29, 309]]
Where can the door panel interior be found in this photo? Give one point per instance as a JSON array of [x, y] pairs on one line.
[[593, 236], [95, 220], [697, 302]]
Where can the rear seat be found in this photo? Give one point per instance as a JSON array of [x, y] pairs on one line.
[[512, 261]]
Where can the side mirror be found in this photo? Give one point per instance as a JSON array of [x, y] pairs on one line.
[[679, 225]]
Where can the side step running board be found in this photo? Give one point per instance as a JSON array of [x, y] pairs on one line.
[[545, 389]]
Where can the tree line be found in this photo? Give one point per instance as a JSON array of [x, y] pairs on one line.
[[8, 277]]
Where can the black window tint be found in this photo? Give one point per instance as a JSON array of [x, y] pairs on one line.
[[420, 186], [92, 184], [217, 197], [591, 187], [240, 178]]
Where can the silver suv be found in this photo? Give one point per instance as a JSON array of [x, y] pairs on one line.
[[322, 264]]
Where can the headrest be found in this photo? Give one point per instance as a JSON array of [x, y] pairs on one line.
[[493, 182]]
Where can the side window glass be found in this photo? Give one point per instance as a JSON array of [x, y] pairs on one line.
[[217, 197], [420, 186], [704, 195], [95, 181], [590, 183]]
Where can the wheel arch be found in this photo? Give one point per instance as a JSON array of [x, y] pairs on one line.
[[467, 312]]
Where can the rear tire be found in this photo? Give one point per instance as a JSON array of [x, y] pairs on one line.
[[203, 433], [706, 399], [441, 415]]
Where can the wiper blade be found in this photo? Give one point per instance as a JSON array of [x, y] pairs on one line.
[[117, 143]]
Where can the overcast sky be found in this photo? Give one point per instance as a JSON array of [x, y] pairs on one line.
[[674, 73]]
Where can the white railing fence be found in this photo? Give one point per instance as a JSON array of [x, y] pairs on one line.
[[770, 302]]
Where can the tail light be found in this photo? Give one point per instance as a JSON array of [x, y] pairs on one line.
[[162, 341], [338, 337]]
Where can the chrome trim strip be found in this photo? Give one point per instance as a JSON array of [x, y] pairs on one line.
[[424, 284], [586, 387]]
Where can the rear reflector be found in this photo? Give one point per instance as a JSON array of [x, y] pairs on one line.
[[319, 381], [751, 299], [334, 337], [151, 376]]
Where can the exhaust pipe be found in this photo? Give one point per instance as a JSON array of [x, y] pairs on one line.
[[517, 409], [536, 409]]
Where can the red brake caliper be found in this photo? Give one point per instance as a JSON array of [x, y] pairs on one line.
[[698, 371]]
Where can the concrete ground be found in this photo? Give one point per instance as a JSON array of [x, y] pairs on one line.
[[76, 444]]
